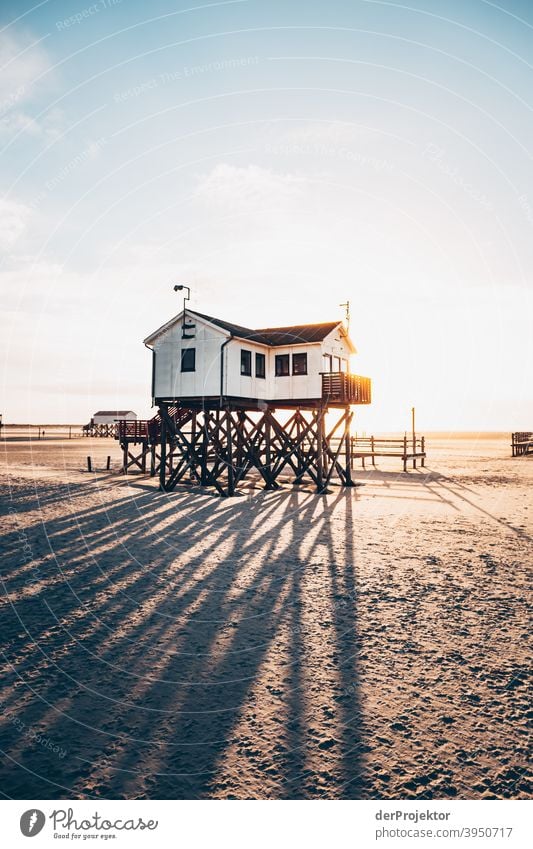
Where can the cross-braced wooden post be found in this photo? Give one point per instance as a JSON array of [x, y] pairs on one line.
[[220, 448]]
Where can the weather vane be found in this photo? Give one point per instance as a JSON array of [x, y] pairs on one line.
[[347, 308]]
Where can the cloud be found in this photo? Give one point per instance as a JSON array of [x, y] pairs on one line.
[[14, 217], [50, 125], [238, 189], [23, 63]]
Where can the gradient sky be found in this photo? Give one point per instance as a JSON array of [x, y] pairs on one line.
[[281, 158]]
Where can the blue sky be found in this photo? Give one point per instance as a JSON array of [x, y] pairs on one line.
[[280, 158]]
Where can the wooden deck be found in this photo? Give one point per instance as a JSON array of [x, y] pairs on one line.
[[522, 444], [140, 439], [339, 387]]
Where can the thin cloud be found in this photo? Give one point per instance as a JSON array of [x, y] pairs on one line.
[[237, 189], [22, 61], [14, 218]]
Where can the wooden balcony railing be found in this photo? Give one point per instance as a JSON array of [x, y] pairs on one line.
[[341, 388], [148, 430], [133, 430]]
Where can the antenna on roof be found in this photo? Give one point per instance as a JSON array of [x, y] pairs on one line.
[[179, 287], [347, 316]]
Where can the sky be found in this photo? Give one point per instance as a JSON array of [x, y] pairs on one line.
[[280, 158]]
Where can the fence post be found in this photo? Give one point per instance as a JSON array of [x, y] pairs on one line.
[[423, 461], [89, 465], [405, 453], [372, 448]]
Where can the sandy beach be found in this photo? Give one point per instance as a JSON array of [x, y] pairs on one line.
[[370, 643]]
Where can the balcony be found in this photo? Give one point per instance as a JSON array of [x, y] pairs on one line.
[[338, 387]]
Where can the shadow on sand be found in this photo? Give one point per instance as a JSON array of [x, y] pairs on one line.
[[178, 647]]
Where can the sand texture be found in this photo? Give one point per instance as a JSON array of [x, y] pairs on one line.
[[370, 643]]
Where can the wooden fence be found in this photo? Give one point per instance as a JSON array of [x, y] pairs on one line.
[[105, 430], [521, 444], [408, 448]]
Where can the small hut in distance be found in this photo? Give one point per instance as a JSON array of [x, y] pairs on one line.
[[105, 422], [104, 417]]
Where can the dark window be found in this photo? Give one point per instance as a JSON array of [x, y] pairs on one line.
[[299, 363], [282, 365], [260, 365], [188, 359], [246, 362]]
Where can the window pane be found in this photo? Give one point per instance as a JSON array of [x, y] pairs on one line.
[[246, 362], [299, 363], [337, 363], [327, 362], [260, 365], [282, 365], [188, 359]]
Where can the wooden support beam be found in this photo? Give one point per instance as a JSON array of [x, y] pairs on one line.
[[219, 448], [163, 461], [229, 454], [320, 452]]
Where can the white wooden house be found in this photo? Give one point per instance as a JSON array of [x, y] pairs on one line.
[[202, 361]]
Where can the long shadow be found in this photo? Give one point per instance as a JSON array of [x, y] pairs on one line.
[[183, 647], [139, 661]]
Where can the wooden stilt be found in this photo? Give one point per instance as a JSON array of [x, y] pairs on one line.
[[163, 461], [229, 455], [320, 452]]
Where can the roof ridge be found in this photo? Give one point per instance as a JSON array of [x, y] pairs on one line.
[[214, 318], [290, 326]]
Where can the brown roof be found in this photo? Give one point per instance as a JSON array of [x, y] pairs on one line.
[[275, 336]]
